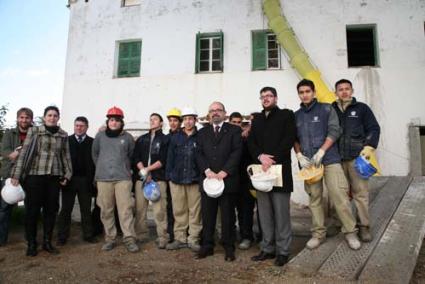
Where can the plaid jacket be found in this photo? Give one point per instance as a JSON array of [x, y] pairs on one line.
[[52, 155]]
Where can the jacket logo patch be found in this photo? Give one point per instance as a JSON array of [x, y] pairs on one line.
[[353, 114], [122, 141], [316, 119]]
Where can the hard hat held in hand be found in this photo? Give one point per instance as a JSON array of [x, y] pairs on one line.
[[364, 168], [262, 181], [312, 174], [12, 194], [151, 191], [213, 187]]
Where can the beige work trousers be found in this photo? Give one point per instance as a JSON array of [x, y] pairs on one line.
[[109, 194], [360, 192], [159, 211], [187, 212], [337, 186]]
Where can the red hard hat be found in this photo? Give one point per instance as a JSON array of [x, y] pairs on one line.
[[115, 111]]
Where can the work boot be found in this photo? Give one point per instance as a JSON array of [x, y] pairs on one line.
[[176, 244], [195, 247], [47, 246], [365, 235], [263, 256], [161, 244], [314, 243], [245, 244], [353, 241], [281, 260], [32, 248]]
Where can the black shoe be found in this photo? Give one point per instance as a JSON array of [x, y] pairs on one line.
[[281, 260], [204, 252], [47, 246], [32, 249], [229, 255], [91, 240], [263, 256], [61, 242]]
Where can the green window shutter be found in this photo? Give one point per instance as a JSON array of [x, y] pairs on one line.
[[221, 51], [129, 59], [259, 50], [197, 54]]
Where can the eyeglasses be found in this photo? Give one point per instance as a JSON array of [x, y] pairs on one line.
[[266, 96], [215, 110]]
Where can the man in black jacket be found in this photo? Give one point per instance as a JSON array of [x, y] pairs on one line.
[[81, 184], [360, 136], [218, 156], [270, 142]]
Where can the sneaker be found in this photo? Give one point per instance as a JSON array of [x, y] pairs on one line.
[[162, 244], [108, 246], [314, 243], [365, 235], [245, 244], [176, 245], [132, 247], [195, 247], [353, 241]]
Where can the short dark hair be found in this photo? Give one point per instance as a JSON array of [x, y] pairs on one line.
[[55, 108], [82, 119], [271, 89], [235, 115], [158, 115], [306, 83], [25, 110], [343, 81]]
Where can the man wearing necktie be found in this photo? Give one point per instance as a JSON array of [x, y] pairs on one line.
[[81, 184], [218, 156]]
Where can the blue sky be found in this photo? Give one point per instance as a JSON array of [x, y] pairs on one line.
[[33, 40]]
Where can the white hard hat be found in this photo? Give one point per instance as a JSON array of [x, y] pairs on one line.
[[12, 194], [262, 181], [213, 187], [189, 111]]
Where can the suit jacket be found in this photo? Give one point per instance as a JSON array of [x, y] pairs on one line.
[[82, 151], [221, 153], [274, 135]]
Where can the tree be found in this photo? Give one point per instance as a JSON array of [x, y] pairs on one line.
[[3, 111]]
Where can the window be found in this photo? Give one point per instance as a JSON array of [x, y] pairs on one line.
[[129, 59], [361, 46], [209, 52], [126, 3], [265, 51]]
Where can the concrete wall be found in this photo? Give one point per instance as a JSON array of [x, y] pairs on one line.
[[168, 30]]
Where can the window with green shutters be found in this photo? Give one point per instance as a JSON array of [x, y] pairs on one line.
[[129, 54], [265, 50], [209, 52]]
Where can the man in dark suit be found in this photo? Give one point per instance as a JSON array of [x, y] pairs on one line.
[[270, 142], [218, 156], [81, 184]]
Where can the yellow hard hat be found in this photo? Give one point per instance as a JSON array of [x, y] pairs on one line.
[[174, 112], [311, 175]]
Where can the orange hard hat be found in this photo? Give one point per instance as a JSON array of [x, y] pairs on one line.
[[115, 111]]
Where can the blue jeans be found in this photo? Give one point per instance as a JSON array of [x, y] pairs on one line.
[[5, 213]]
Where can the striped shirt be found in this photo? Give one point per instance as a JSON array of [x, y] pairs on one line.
[[52, 155]]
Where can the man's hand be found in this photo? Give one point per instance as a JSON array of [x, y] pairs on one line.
[[14, 181], [305, 162], [367, 152], [63, 182], [221, 175], [266, 161], [318, 157], [210, 174], [12, 156]]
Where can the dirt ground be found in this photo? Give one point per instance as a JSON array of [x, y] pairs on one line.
[[81, 262]]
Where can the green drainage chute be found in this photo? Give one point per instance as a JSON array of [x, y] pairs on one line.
[[297, 56]]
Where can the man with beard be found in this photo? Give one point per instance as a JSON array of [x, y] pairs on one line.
[[218, 157], [112, 151], [270, 142], [10, 148]]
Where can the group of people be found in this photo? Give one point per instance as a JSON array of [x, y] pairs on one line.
[[114, 168]]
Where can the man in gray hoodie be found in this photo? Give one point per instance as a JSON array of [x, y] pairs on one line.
[[112, 150]]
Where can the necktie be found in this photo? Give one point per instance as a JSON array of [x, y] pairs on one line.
[[79, 138], [216, 130]]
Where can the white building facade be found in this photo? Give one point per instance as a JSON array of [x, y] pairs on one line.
[[171, 74]]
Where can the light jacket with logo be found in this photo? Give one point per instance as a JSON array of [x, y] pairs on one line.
[[315, 123], [359, 129], [181, 159]]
